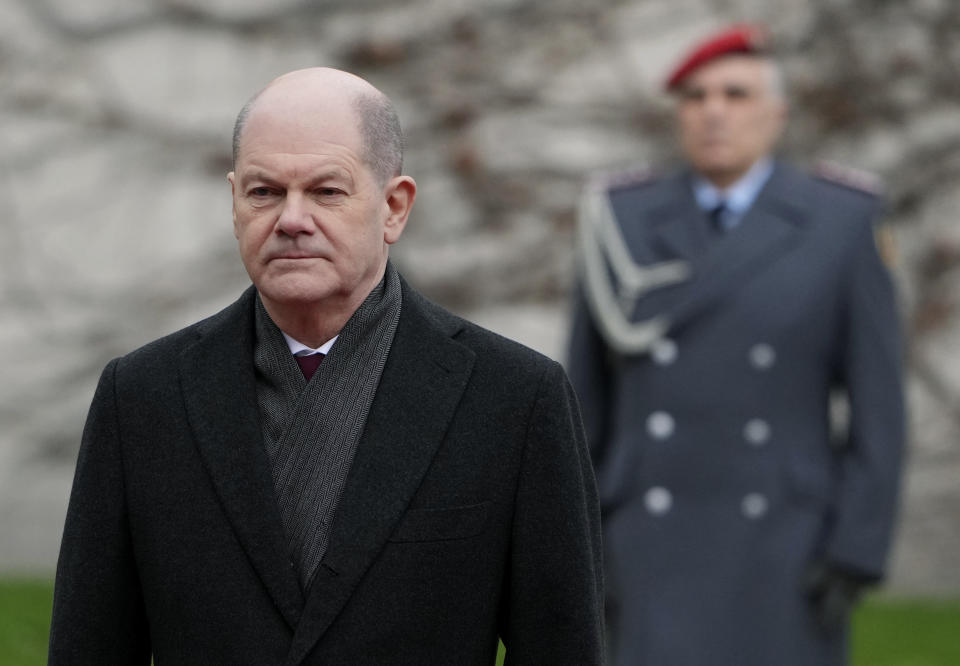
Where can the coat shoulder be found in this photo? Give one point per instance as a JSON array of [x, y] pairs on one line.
[[848, 181], [159, 353], [484, 343], [837, 199], [628, 179]]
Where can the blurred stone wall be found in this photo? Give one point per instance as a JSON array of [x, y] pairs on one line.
[[115, 120]]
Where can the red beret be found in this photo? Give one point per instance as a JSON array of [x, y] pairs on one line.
[[743, 38]]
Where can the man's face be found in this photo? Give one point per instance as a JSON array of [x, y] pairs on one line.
[[729, 116], [312, 221]]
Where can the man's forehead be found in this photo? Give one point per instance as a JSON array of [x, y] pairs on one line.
[[291, 163], [300, 128]]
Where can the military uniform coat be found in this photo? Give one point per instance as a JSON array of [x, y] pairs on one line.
[[469, 512], [720, 481]]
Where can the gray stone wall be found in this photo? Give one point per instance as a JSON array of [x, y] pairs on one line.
[[115, 118]]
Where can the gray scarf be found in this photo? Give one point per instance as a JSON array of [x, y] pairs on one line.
[[311, 429]]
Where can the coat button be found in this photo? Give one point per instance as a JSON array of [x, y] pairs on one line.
[[658, 500], [754, 506], [762, 356], [664, 351], [757, 432], [660, 425]]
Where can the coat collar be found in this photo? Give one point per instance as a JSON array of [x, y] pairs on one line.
[[422, 382], [771, 227]]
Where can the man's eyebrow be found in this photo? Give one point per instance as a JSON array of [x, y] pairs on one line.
[[320, 177], [331, 174], [257, 174]]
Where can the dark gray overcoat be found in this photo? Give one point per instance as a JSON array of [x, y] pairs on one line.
[[469, 512], [720, 482]]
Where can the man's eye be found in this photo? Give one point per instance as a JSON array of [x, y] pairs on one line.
[[328, 191], [736, 92], [260, 192]]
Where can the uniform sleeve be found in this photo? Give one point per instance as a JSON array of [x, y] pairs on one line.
[[588, 367], [872, 373], [98, 614], [554, 594]]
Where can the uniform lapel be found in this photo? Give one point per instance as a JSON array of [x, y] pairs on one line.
[[219, 390], [662, 223], [770, 228], [678, 227], [421, 385]]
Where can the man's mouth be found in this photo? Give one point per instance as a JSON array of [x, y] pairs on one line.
[[295, 255]]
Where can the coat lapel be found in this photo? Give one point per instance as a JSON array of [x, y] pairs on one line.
[[219, 390], [771, 227], [421, 385]]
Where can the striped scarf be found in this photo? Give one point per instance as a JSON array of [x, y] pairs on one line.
[[311, 429]]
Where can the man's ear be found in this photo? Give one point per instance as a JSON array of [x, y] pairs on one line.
[[400, 193], [232, 177]]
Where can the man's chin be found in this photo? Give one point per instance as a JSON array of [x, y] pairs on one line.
[[722, 172], [293, 291]]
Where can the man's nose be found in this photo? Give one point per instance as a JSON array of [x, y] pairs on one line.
[[715, 105], [295, 217]]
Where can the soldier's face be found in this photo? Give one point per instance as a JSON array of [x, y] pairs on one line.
[[730, 114]]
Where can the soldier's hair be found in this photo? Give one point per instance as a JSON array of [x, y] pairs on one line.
[[777, 80], [379, 127]]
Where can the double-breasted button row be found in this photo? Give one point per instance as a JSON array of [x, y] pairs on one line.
[[761, 356], [659, 500], [661, 425]]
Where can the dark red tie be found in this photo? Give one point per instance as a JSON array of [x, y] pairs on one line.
[[309, 364]]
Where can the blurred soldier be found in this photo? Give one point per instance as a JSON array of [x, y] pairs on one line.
[[719, 309]]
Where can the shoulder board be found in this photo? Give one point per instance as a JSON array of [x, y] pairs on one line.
[[620, 179], [854, 179]]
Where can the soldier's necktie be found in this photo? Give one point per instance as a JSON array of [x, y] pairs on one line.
[[720, 218], [309, 364]]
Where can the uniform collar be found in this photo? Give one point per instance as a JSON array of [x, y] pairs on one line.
[[738, 197]]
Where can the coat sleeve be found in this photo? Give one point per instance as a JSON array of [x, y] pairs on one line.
[[554, 592], [98, 612], [872, 373]]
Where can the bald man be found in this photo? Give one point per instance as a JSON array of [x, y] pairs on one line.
[[332, 470]]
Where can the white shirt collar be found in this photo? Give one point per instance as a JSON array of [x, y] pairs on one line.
[[297, 348], [738, 197]]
